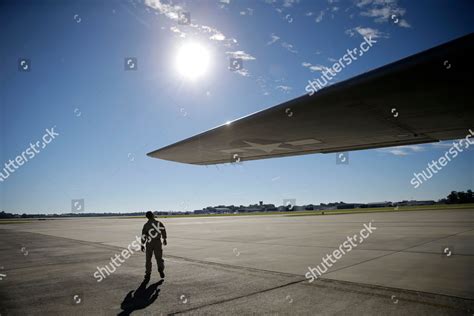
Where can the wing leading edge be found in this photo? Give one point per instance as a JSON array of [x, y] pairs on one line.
[[423, 98]]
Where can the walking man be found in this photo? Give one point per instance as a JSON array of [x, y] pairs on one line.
[[152, 233]]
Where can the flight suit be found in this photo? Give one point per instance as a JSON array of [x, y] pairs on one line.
[[152, 233]]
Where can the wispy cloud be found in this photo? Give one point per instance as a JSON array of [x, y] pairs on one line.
[[169, 10], [174, 29], [289, 47], [412, 149], [240, 54], [442, 145], [247, 11], [383, 11], [217, 37], [274, 38], [262, 83], [243, 72], [367, 32], [282, 88], [320, 16], [403, 150], [314, 68], [172, 12], [290, 3], [244, 56]]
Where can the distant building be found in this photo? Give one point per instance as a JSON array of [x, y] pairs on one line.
[[222, 210], [298, 208], [414, 202], [377, 204], [346, 206]]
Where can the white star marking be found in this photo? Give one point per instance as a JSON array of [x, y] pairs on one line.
[[268, 148]]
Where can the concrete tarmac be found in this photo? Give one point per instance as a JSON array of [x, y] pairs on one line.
[[414, 262]]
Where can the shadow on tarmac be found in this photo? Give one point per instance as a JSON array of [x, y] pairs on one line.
[[142, 298]]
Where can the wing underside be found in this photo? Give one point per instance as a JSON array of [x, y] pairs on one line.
[[424, 98]]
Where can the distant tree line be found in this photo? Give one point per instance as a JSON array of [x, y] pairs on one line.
[[460, 197]]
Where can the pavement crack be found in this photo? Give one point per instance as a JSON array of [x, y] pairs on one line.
[[237, 297]]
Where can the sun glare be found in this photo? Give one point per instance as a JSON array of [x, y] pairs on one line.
[[192, 60]]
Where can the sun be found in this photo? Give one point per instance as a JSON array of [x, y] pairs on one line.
[[192, 60]]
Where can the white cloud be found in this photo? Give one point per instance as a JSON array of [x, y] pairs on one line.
[[174, 29], [262, 83], [442, 145], [217, 37], [403, 150], [397, 152], [243, 72], [290, 3], [361, 3], [285, 89], [404, 23], [274, 39], [314, 68], [367, 32], [318, 68], [414, 148], [169, 10], [248, 11], [286, 45], [383, 11], [172, 12], [230, 42], [289, 47], [240, 54], [319, 18]]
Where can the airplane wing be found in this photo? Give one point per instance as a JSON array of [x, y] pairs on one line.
[[424, 98]]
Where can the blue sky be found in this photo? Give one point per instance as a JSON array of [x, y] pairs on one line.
[[108, 118]]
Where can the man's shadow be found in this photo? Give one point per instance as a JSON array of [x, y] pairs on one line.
[[142, 298]]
